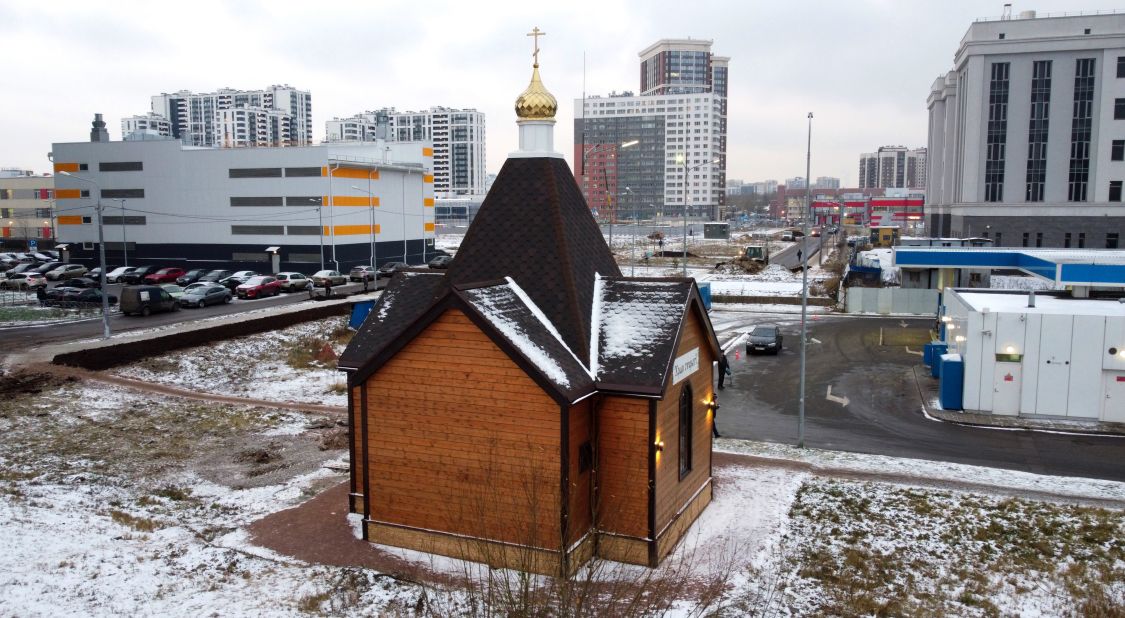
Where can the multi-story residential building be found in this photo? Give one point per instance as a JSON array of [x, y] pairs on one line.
[[26, 201], [679, 124], [295, 208], [275, 116], [1027, 133], [797, 182], [826, 182], [893, 167], [458, 136]]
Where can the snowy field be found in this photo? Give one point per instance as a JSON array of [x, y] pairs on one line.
[[117, 503]]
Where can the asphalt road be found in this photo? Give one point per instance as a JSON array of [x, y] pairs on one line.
[[883, 415], [24, 337], [788, 257]]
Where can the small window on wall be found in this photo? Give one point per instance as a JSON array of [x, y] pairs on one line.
[[1081, 240], [83, 167], [1111, 240], [1115, 190], [1026, 237], [1121, 66], [1009, 358], [685, 430], [1066, 240], [1117, 152]]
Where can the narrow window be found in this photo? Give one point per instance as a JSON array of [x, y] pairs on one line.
[[1121, 66], [997, 135], [1111, 240], [1037, 130], [1115, 190], [685, 430], [1026, 237], [999, 239], [1066, 240], [1039, 239], [1081, 126], [1117, 153], [1081, 240]]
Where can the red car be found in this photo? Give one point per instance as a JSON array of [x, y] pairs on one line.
[[259, 287], [165, 275]]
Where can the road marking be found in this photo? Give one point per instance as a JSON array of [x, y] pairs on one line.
[[909, 351], [840, 400], [903, 324], [815, 340]]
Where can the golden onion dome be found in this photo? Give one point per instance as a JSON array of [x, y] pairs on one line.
[[536, 103]]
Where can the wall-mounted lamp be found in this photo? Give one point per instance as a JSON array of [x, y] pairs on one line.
[[959, 338], [1010, 349], [659, 446], [712, 404], [946, 319]]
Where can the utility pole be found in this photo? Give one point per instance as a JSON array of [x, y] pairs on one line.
[[804, 288]]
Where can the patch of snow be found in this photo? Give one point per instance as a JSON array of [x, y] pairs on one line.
[[1006, 282], [482, 299]]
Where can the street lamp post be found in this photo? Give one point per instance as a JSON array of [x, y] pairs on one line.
[[371, 206], [633, 236], [684, 160], [101, 250], [804, 288], [124, 241], [319, 201]]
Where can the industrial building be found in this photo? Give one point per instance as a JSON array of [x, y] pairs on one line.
[[25, 209], [296, 208], [1034, 355], [1027, 133]]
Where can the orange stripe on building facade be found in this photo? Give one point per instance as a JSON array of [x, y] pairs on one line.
[[350, 172], [351, 230], [429, 226], [70, 220], [427, 152], [354, 200], [427, 201], [66, 167], [428, 178], [68, 194]]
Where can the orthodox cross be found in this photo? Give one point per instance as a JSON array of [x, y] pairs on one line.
[[535, 34]]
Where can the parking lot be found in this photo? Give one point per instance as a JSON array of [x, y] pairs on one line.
[[875, 406]]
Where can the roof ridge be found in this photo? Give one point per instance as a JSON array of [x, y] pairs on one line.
[[596, 324], [542, 317]]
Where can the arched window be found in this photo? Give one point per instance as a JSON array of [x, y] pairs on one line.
[[685, 430]]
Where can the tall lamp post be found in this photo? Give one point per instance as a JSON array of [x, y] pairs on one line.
[[684, 160], [370, 205], [124, 241], [804, 288], [319, 202], [605, 178], [633, 236], [101, 251]]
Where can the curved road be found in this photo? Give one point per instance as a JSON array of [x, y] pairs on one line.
[[788, 258], [883, 415]]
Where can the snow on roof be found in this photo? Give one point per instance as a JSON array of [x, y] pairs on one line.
[[634, 328], [508, 311], [1017, 303]]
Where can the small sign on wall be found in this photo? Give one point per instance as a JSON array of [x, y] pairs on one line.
[[685, 365]]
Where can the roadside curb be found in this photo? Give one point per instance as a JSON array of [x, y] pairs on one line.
[[928, 393]]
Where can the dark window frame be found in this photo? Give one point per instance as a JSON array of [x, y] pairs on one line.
[[1038, 131], [686, 416], [254, 172], [1081, 127], [1112, 240], [1115, 190], [1117, 150], [121, 166], [997, 132]]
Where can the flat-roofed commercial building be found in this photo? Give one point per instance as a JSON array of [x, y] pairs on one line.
[[166, 203], [25, 208]]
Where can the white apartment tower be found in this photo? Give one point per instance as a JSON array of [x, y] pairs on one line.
[[679, 123], [458, 137], [893, 167], [275, 116], [1027, 133]]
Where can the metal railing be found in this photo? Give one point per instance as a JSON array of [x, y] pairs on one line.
[[1039, 15]]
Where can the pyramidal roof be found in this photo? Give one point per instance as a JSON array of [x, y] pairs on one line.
[[534, 226]]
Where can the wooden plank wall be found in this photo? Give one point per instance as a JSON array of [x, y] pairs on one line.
[[622, 455], [581, 505], [672, 493], [461, 440]]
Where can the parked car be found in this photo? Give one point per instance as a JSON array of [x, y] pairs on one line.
[[237, 279], [329, 277], [164, 275], [173, 289], [259, 287], [66, 271], [88, 297], [292, 282], [136, 276], [215, 276], [55, 296], [46, 267], [114, 275], [22, 267], [146, 299], [441, 261], [95, 272], [24, 281], [764, 338], [83, 282], [201, 294], [389, 269], [361, 273], [191, 276]]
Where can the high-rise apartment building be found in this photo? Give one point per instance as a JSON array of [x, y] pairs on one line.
[[893, 167], [1027, 133], [826, 182], [679, 123], [458, 137], [228, 118]]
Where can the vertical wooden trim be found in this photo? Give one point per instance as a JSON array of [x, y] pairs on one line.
[[351, 443], [651, 482], [595, 476], [366, 461], [564, 422]]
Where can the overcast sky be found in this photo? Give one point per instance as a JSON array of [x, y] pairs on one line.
[[864, 67]]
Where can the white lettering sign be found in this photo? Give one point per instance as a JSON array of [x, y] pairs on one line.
[[685, 365], [144, 295]]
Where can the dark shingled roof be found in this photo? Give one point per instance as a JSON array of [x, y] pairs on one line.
[[503, 308], [405, 299], [535, 227]]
